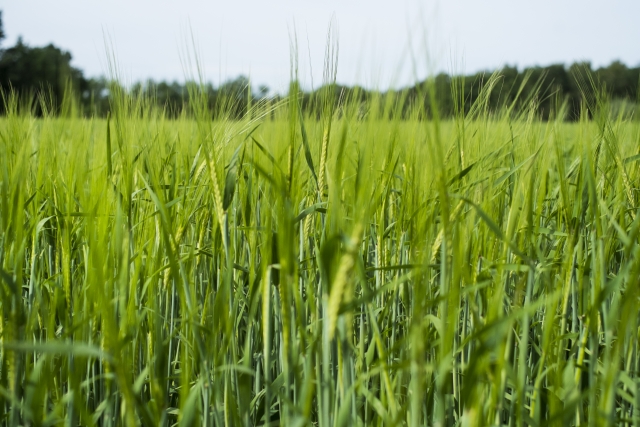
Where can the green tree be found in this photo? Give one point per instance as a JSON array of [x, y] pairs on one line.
[[39, 70], [618, 80]]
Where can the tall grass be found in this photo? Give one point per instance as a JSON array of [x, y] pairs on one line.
[[367, 268]]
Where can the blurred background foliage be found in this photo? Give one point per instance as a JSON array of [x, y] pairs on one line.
[[40, 74]]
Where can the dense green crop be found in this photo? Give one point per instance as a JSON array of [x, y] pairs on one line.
[[347, 269]]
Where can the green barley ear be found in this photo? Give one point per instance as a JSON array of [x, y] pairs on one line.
[[341, 280], [215, 186], [109, 152], [323, 162], [328, 102]]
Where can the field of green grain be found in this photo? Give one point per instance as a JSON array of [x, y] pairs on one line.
[[357, 268]]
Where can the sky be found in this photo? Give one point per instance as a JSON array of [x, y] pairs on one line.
[[379, 43]]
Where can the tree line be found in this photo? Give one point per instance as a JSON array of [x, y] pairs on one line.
[[43, 77]]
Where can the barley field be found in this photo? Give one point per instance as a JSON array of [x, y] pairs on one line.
[[360, 267]]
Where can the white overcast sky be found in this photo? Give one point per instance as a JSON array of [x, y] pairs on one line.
[[381, 43]]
